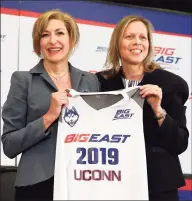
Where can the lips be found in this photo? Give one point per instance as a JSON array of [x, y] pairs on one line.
[[136, 51], [54, 50]]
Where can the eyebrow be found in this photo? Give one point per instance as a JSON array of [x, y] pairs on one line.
[[136, 33], [59, 29]]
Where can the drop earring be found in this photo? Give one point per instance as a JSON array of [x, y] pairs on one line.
[[41, 55]]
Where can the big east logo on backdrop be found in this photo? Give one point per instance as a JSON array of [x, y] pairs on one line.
[[165, 56], [100, 150]]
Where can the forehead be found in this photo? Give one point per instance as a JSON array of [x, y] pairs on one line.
[[54, 24], [136, 27]]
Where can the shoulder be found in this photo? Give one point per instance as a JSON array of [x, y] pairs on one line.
[[86, 75], [18, 84], [20, 76], [107, 75], [109, 81], [87, 78], [167, 74], [168, 79], [169, 82]]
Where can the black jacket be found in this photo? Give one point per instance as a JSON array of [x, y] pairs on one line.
[[165, 143]]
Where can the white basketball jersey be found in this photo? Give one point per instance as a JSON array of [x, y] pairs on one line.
[[100, 152]]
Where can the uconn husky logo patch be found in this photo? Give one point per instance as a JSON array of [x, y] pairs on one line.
[[71, 116]]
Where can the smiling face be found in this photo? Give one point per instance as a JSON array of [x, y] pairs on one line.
[[55, 42], [134, 45]]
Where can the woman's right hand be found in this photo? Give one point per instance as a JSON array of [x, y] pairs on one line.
[[58, 100]]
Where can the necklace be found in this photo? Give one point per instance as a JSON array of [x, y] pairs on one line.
[[58, 78]]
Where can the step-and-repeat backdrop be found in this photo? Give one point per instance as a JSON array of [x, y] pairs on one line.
[[172, 46]]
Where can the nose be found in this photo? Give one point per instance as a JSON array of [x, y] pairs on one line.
[[137, 41], [53, 39]]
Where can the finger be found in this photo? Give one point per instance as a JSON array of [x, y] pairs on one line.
[[151, 87], [143, 91], [158, 91], [149, 93], [146, 86], [67, 90], [59, 94], [68, 93], [62, 93], [63, 102], [63, 97]]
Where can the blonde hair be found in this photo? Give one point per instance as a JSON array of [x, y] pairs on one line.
[[42, 22], [113, 56]]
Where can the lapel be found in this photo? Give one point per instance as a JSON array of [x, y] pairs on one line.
[[145, 79], [40, 70], [75, 75]]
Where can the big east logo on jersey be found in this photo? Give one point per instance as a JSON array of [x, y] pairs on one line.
[[87, 137], [123, 114], [165, 55]]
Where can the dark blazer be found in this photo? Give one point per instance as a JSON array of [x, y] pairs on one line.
[[23, 130], [165, 143]]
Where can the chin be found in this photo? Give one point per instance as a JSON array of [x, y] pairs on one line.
[[133, 60], [54, 60], [136, 62]]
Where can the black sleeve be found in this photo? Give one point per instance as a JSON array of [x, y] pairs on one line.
[[173, 133]]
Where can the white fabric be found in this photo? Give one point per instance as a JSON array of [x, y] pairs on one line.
[[111, 146], [130, 83]]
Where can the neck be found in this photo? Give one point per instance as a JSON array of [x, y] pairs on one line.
[[56, 68], [133, 72]]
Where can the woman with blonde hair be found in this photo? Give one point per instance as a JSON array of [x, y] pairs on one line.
[[34, 103], [129, 63]]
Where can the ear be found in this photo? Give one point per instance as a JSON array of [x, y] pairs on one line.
[[66, 110], [73, 108]]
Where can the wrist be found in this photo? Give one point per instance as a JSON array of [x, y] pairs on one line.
[[158, 111], [160, 115], [48, 119]]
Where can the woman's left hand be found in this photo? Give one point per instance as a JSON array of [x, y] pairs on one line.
[[153, 95]]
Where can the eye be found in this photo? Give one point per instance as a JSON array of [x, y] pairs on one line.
[[44, 35], [143, 37], [60, 33], [129, 36]]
